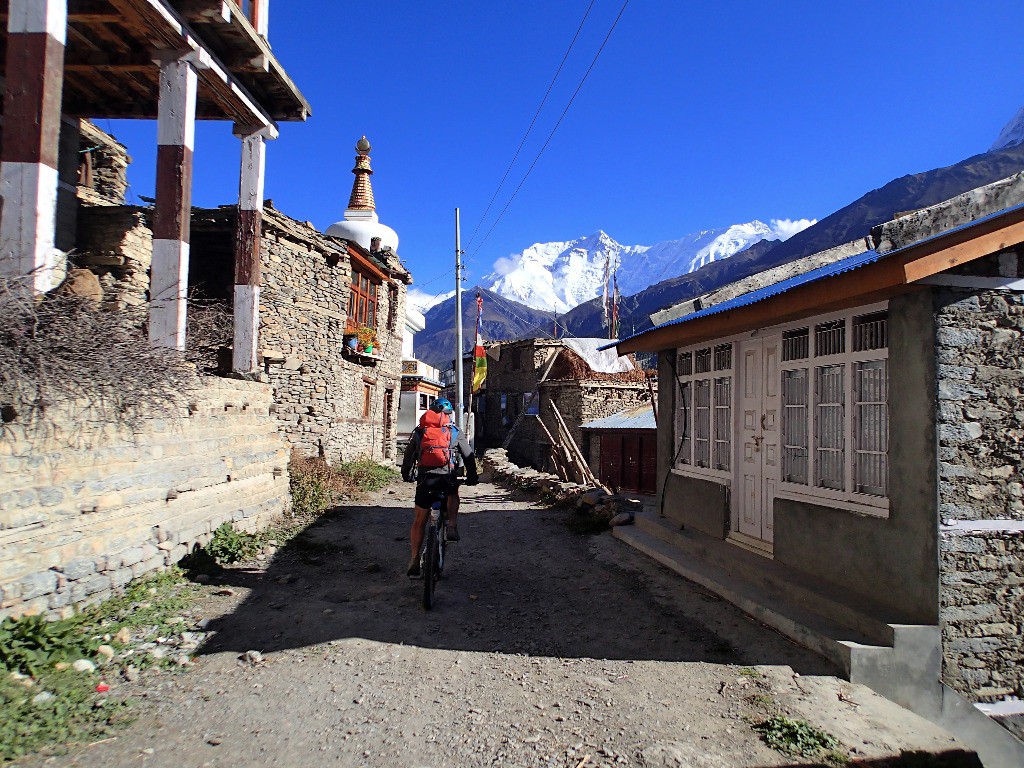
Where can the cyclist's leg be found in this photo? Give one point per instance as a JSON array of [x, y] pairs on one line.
[[453, 508], [419, 525]]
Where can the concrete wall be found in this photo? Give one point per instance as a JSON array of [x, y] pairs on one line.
[[83, 513], [980, 350], [893, 561]]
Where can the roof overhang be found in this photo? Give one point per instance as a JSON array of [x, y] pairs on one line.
[[113, 50], [873, 279]]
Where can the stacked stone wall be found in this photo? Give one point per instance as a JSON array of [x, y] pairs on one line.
[[87, 508], [319, 387], [980, 366], [116, 243]]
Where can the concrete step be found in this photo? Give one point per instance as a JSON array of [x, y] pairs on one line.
[[786, 584], [842, 645]]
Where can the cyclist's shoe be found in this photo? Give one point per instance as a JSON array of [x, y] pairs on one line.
[[452, 533], [413, 572]]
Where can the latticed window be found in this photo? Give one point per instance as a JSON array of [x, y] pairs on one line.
[[871, 428], [829, 418], [830, 338], [794, 425], [723, 421], [702, 423], [684, 422], [704, 412], [362, 299]]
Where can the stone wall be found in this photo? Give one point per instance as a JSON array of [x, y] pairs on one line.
[[319, 388], [81, 517], [980, 358], [116, 243]]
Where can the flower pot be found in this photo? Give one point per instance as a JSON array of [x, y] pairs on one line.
[[368, 349], [352, 343]]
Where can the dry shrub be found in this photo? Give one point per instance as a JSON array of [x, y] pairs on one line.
[[317, 485], [65, 351]]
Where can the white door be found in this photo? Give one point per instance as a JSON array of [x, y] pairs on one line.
[[757, 465]]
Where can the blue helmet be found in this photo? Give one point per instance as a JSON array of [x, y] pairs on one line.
[[442, 405]]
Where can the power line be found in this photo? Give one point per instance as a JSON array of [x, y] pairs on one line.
[[551, 135], [532, 123]]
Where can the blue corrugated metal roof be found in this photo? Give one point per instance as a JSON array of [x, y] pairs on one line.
[[835, 268], [641, 417]]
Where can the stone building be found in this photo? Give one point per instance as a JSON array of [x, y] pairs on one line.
[[851, 435], [317, 291], [525, 377]]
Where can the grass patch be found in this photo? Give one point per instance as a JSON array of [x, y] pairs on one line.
[[55, 707], [316, 486], [796, 737], [44, 702]]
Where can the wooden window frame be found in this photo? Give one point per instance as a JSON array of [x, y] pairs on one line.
[[715, 370], [363, 298]]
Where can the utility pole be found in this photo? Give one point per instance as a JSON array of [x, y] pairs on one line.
[[459, 416]]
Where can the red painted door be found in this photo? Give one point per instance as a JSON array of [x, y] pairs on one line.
[[611, 460], [648, 463], [631, 462]]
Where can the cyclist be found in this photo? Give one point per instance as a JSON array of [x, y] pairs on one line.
[[429, 480]]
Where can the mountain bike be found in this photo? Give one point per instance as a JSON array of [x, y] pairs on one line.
[[435, 542]]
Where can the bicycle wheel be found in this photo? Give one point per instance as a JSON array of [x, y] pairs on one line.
[[429, 566]]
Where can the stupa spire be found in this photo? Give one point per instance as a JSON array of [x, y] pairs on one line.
[[361, 198]]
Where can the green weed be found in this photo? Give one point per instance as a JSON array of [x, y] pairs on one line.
[[31, 644], [232, 546], [796, 737], [57, 707]]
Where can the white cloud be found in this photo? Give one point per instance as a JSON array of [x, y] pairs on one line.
[[505, 265], [786, 228], [423, 300]]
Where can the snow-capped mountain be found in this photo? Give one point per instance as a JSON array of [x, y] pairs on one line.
[[560, 276], [1012, 133]]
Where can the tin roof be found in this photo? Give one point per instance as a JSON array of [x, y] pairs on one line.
[[640, 417]]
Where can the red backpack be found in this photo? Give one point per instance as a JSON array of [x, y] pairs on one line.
[[437, 444]]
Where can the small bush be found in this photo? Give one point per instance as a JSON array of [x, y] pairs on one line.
[[30, 644], [231, 546], [796, 737], [365, 474]]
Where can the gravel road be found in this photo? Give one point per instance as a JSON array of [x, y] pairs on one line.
[[546, 648]]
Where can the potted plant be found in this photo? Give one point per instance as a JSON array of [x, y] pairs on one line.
[[367, 337]]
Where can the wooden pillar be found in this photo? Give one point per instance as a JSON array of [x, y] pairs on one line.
[[247, 246], [36, 34], [261, 16], [176, 122]]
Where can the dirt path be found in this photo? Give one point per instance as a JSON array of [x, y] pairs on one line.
[[545, 648]]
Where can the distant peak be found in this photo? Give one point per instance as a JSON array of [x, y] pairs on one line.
[[1012, 133]]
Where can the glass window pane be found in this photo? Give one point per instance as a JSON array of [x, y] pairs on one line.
[[871, 428], [684, 423], [830, 429], [794, 425], [723, 422], [702, 422]]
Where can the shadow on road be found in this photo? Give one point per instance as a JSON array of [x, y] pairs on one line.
[[519, 582]]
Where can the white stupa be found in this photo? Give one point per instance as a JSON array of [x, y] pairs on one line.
[[361, 224]]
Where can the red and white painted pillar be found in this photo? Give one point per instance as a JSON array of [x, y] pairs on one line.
[[247, 245], [36, 35], [176, 124]]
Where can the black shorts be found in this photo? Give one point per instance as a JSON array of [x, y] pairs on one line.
[[430, 487]]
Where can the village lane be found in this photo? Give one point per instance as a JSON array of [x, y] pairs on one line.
[[546, 648]]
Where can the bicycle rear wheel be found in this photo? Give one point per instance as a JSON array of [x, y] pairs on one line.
[[429, 566]]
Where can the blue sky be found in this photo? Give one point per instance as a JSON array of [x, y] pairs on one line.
[[696, 115]]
